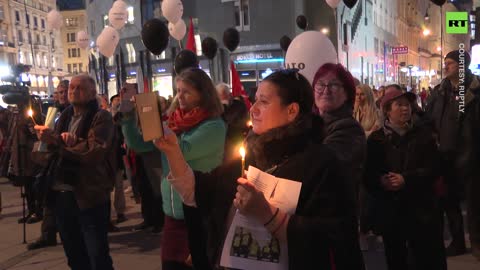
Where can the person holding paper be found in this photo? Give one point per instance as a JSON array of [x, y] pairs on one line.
[[286, 142], [196, 121], [49, 230], [83, 173]]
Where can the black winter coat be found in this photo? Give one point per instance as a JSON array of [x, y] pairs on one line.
[[413, 155], [323, 230], [345, 136]]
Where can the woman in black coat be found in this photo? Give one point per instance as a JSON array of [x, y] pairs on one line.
[[401, 169], [285, 142]]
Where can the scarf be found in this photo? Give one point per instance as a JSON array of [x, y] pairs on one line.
[[278, 144], [180, 121], [85, 122]]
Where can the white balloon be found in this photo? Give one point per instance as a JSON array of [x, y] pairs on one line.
[[333, 3], [83, 40], [119, 4], [118, 17], [177, 30], [308, 52], [172, 10], [54, 19], [107, 41]]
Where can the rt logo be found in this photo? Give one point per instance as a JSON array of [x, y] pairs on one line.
[[457, 23]]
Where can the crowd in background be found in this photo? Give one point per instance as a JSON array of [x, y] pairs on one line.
[[386, 163]]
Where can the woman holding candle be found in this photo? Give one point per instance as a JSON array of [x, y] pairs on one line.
[[195, 120], [286, 142]]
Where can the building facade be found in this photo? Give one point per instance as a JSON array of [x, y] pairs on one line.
[[8, 50], [75, 59], [37, 45]]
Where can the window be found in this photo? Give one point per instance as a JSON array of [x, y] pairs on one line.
[[69, 68], [80, 67], [27, 18], [242, 15], [20, 36], [45, 59], [74, 67], [131, 53], [37, 39], [78, 52], [2, 15], [131, 17], [74, 52], [42, 21], [71, 37], [72, 22], [21, 57], [92, 26], [44, 40], [105, 21], [17, 16], [35, 22], [29, 37]]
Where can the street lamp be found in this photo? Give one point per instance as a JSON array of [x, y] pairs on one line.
[[426, 32]]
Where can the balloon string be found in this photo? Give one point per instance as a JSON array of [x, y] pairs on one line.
[[180, 45]]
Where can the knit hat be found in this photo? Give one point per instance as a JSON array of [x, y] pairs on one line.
[[455, 55]]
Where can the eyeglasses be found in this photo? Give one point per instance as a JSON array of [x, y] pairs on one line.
[[320, 86]]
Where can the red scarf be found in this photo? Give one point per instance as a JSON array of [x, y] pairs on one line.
[[180, 121]]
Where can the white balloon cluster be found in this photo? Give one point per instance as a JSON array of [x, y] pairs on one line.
[[54, 20], [173, 11], [333, 3], [308, 52], [118, 14], [83, 39], [108, 40]]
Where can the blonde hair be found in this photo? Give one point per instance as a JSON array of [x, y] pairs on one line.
[[371, 115]]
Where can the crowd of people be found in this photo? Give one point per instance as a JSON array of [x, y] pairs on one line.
[[389, 163]]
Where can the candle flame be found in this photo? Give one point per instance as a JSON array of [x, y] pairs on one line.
[[242, 152], [249, 123], [30, 112]]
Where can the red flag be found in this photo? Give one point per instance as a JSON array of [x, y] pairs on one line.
[[237, 87], [191, 38]]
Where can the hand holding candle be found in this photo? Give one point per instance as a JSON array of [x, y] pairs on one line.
[[30, 113], [242, 154]]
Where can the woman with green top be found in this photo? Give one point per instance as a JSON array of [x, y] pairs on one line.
[[196, 120]]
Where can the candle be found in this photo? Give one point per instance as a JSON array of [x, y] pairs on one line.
[[242, 154], [249, 123], [30, 113]]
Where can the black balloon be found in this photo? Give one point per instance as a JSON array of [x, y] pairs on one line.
[[209, 47], [350, 3], [439, 2], [185, 59], [285, 42], [231, 39], [302, 22], [155, 36]]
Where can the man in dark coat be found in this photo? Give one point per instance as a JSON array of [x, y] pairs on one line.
[[49, 230], [454, 109], [83, 176]]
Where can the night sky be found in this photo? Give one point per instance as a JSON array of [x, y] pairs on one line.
[[70, 4]]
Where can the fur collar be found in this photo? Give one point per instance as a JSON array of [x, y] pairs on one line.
[[275, 146]]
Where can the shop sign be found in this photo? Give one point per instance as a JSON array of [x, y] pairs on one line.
[[256, 55], [400, 50]]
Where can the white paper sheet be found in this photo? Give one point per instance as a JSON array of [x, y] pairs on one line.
[[249, 245]]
